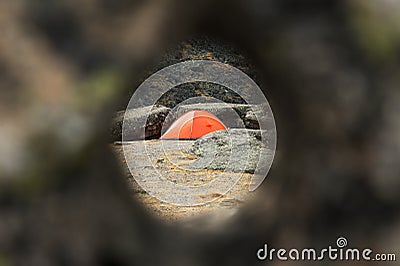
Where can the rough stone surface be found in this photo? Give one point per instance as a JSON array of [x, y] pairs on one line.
[[167, 157], [185, 91], [215, 150], [155, 118], [246, 114]]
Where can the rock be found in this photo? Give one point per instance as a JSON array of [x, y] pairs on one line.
[[232, 115], [229, 203], [185, 91], [215, 150], [134, 122], [246, 114]]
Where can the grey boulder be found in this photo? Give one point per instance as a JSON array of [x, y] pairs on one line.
[[140, 123], [236, 150]]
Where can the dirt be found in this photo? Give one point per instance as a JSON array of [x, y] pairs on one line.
[[172, 162]]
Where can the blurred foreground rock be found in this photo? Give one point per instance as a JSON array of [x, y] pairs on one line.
[[330, 70]]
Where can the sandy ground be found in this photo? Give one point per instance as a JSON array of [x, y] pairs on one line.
[[169, 157]]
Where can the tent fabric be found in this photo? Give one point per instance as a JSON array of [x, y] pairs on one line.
[[193, 125]]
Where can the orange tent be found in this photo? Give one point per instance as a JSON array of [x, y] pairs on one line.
[[192, 125]]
